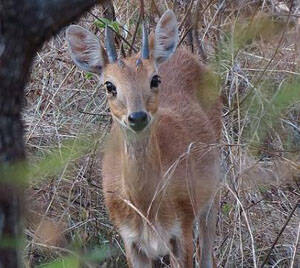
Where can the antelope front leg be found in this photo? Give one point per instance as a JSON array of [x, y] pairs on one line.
[[207, 226], [188, 247], [135, 257], [176, 259], [182, 249]]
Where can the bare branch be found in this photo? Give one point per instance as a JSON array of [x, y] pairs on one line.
[[24, 26], [50, 16], [141, 18], [297, 205]]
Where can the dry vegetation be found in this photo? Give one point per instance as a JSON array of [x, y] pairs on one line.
[[253, 46]]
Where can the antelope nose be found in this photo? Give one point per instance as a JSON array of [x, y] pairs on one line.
[[138, 120]]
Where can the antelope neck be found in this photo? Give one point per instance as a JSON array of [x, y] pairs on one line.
[[141, 167]]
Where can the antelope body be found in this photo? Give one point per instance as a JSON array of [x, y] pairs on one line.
[[160, 170]]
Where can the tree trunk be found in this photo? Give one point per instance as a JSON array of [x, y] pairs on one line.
[[24, 26]]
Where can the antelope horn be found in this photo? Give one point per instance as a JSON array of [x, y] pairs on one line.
[[109, 45], [145, 45], [121, 63]]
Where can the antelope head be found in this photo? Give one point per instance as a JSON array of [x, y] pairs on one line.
[[132, 84]]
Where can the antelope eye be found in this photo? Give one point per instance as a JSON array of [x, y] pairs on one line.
[[110, 88], [155, 81]]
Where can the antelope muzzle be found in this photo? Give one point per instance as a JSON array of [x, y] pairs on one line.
[[138, 120]]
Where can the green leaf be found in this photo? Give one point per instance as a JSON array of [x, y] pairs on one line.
[[53, 162], [102, 22], [116, 26], [68, 262], [226, 209], [99, 254], [88, 75], [267, 108]]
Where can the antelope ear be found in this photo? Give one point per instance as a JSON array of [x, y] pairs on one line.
[[166, 37], [85, 49]]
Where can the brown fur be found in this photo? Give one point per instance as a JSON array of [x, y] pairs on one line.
[[136, 174]]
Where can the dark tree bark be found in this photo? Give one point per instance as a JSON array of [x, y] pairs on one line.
[[24, 26]]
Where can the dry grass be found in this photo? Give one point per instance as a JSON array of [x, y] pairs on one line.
[[261, 183]]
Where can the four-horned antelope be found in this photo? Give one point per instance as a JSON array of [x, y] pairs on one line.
[[160, 168]]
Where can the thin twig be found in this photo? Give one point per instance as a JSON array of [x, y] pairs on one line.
[[296, 244], [191, 27], [109, 10], [280, 233], [89, 113], [196, 39], [141, 18], [156, 8], [118, 35], [187, 23], [247, 223], [186, 14]]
